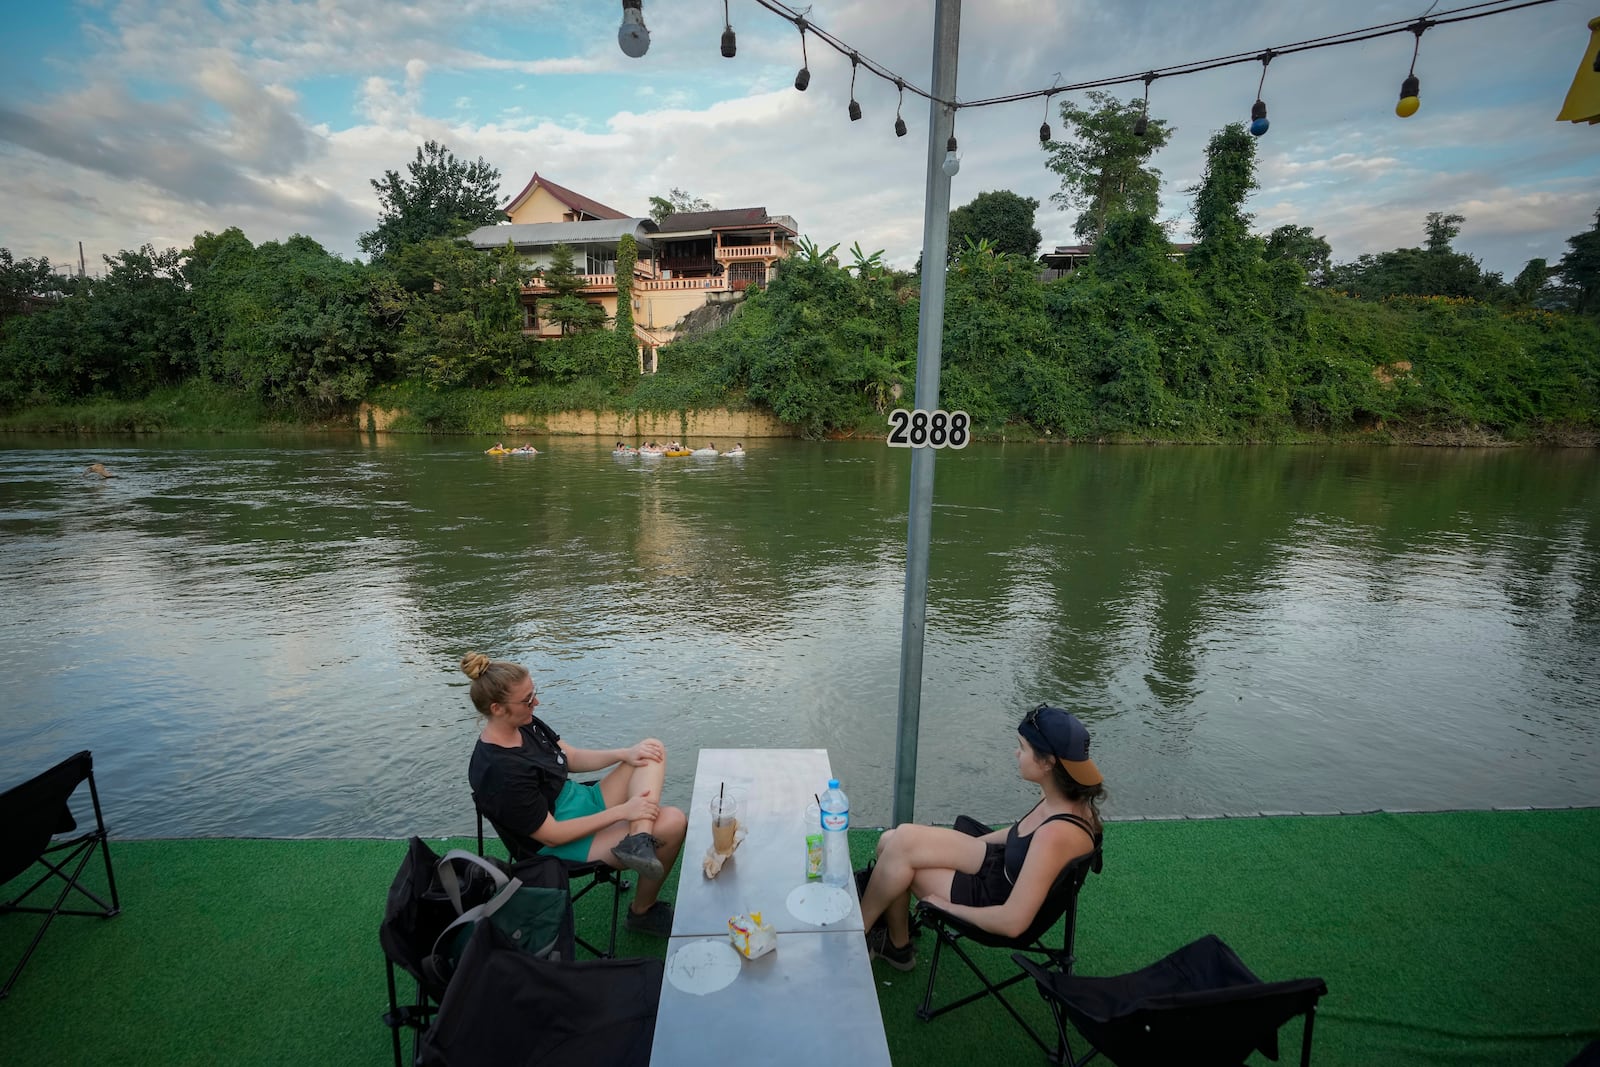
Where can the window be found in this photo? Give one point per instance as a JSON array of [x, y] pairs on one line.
[[600, 259]]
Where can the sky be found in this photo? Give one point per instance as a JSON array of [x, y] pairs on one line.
[[133, 122]]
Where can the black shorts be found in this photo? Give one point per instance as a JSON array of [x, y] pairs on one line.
[[986, 888]]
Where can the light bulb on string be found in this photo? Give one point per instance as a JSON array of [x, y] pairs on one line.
[[633, 37], [802, 79], [730, 44], [899, 123], [1143, 123], [1258, 110], [855, 108], [1044, 127], [1411, 88], [952, 162]]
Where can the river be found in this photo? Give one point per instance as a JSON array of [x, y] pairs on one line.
[[258, 636]]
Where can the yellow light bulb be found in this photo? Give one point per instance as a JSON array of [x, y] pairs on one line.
[[1407, 106]]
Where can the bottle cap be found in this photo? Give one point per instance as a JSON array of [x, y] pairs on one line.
[[833, 783]]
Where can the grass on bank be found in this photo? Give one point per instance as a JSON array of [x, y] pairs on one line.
[[1445, 939]]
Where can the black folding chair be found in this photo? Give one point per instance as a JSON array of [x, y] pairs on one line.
[[1200, 1005], [597, 872], [505, 1006], [31, 815], [413, 919], [1060, 906]]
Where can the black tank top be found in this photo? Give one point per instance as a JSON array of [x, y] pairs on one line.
[[1017, 846]]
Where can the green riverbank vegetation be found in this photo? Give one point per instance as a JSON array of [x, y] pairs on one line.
[[1246, 338]]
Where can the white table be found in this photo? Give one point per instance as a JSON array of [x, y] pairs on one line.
[[810, 1003], [774, 787]]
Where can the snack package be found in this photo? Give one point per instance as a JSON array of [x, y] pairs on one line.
[[751, 937], [814, 856]]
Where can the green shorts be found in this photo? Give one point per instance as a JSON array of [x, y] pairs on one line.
[[576, 800]]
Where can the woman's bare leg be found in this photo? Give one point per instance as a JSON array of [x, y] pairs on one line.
[[625, 781], [910, 857], [670, 826]]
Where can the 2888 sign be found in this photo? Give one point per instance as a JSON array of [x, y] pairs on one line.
[[917, 428]]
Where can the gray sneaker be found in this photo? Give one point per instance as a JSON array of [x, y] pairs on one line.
[[656, 920], [879, 947], [637, 852]]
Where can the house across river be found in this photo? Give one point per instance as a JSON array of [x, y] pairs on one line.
[[687, 261]]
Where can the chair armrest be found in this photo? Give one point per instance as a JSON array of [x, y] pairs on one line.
[[972, 827]]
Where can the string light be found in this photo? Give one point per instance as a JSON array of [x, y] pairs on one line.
[[1143, 123], [1412, 86], [855, 108], [1044, 127], [952, 162], [730, 44], [1258, 110], [803, 79], [632, 36]]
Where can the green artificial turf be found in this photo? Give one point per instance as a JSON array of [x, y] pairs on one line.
[[1454, 938]]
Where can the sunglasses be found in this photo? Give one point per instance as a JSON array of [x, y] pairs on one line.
[[1033, 721], [526, 703]]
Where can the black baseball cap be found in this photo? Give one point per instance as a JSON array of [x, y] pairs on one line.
[[1059, 733]]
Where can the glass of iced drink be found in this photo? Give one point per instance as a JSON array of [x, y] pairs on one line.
[[724, 821]]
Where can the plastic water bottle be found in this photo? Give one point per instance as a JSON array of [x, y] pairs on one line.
[[835, 843]]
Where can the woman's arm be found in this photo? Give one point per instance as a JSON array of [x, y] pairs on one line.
[[598, 759], [1054, 846]]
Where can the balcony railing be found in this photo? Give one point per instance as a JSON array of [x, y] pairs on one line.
[[608, 283], [747, 252]]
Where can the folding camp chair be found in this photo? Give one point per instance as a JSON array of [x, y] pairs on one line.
[[419, 909], [31, 815], [507, 1007], [597, 872], [1060, 906], [1200, 1005]]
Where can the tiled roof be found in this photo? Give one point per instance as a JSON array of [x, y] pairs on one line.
[[576, 201], [684, 221]]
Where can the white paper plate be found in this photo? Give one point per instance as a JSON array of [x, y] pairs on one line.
[[820, 905], [702, 967]]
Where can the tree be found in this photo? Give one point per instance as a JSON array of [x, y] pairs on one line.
[[675, 201], [1526, 287], [23, 282], [566, 307], [443, 197], [1002, 217], [1580, 270], [1298, 244], [1441, 230], [1103, 171], [627, 256]]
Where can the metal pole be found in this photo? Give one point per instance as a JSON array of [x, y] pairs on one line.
[[930, 334]]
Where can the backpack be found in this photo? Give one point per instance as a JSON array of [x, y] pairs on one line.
[[527, 901]]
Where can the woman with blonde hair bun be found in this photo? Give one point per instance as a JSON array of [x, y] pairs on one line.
[[520, 780]]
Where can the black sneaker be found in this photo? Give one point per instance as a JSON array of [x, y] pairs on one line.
[[879, 947], [656, 920], [637, 852]]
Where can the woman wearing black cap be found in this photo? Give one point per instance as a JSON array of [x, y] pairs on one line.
[[999, 881]]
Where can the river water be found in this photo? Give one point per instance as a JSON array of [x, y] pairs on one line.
[[259, 636]]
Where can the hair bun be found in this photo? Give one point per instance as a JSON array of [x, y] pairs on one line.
[[473, 664]]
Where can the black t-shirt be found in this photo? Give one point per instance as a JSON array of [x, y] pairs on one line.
[[516, 788]]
